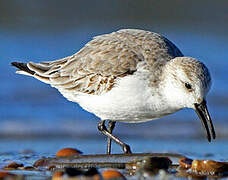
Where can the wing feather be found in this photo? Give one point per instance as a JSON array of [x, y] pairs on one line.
[[101, 61]]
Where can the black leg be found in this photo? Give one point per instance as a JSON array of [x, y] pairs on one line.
[[111, 126], [102, 128]]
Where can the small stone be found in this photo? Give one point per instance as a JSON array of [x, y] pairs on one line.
[[154, 163], [96, 177], [13, 165], [4, 174], [57, 175], [91, 172], [51, 167], [185, 163], [76, 174], [68, 152], [112, 174], [209, 167], [27, 168], [41, 163], [73, 172]]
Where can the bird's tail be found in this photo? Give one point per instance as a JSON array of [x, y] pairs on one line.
[[23, 68], [43, 71], [37, 70]]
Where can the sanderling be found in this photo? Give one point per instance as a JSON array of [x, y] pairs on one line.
[[128, 76]]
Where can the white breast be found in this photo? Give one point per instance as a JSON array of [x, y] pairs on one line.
[[131, 100]]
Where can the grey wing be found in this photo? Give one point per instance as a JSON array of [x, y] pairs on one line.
[[96, 66], [152, 46], [92, 70]]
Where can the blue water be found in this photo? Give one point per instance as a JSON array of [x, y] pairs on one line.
[[47, 147]]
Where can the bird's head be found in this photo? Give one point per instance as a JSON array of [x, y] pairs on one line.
[[187, 82]]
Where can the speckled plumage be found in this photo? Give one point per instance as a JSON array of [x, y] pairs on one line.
[[96, 66]]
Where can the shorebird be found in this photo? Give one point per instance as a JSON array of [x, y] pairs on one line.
[[128, 76]]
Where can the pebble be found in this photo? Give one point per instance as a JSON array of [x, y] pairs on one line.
[[57, 175], [76, 174], [209, 167], [13, 165], [112, 174], [29, 168], [41, 163], [4, 175], [201, 168], [151, 164], [68, 152], [185, 163]]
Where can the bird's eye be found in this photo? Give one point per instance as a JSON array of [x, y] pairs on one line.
[[188, 86]]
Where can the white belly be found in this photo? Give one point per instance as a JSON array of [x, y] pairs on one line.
[[130, 101]]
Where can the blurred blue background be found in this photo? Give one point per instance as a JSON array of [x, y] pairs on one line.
[[47, 30]]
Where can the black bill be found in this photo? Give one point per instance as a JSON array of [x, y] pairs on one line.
[[201, 110]]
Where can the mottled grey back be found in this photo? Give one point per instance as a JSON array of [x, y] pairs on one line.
[[95, 67]]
